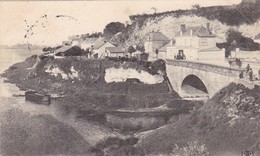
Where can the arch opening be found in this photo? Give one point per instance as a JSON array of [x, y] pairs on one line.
[[193, 86]]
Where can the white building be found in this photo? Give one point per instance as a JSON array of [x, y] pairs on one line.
[[196, 43], [155, 41], [99, 48], [115, 52]]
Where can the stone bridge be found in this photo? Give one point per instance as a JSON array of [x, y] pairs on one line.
[[194, 79]]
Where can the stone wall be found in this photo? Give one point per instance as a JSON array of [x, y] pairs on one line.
[[213, 77]]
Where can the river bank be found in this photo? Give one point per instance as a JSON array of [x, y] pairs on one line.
[[24, 123], [86, 91], [82, 100], [29, 129]]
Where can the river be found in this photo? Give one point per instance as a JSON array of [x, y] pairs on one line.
[[90, 132], [9, 57]]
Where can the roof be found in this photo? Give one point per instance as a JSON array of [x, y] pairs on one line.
[[157, 36], [163, 49], [210, 49], [62, 49], [115, 49], [199, 31], [257, 37], [99, 43], [89, 40], [70, 51]]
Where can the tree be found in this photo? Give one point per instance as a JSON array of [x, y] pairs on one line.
[[154, 9], [113, 28], [140, 48], [45, 49], [242, 42], [131, 49], [196, 6]]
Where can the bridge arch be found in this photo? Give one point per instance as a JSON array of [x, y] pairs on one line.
[[193, 85]]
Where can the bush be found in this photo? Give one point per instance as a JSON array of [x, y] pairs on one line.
[[194, 148], [117, 146], [158, 65], [13, 67]]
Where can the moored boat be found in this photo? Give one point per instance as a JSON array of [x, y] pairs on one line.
[[38, 98]]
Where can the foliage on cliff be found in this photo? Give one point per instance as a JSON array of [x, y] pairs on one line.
[[231, 15], [244, 16], [87, 90], [235, 39]]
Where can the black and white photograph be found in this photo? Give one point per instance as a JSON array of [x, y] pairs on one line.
[[130, 78]]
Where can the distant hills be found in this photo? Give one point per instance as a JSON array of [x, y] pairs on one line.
[[22, 46]]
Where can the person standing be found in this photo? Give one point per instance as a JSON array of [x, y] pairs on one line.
[[247, 68], [250, 73]]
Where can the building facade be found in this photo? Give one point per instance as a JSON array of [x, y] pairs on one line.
[[115, 52], [155, 41], [196, 43]]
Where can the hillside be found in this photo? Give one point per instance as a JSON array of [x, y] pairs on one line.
[[226, 124], [244, 18]]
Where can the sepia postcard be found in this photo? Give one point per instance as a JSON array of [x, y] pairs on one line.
[[130, 78]]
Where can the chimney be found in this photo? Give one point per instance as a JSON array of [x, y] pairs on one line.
[[191, 32], [208, 28], [183, 27]]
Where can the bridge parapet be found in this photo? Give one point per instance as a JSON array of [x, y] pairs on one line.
[[232, 72]]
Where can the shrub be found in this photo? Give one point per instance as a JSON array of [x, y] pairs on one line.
[[194, 148], [12, 67], [117, 146]]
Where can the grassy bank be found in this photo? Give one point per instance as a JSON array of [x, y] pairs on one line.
[[25, 134], [228, 123]]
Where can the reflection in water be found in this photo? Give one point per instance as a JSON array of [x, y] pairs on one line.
[[9, 57], [8, 101]]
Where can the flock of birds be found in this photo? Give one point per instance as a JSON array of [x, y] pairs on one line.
[[42, 22]]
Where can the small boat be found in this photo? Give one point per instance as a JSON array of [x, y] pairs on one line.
[[38, 98]]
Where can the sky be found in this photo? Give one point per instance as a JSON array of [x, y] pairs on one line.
[[76, 17]]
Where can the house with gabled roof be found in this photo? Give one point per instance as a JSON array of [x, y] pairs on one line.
[[96, 46], [153, 42], [196, 43], [98, 50]]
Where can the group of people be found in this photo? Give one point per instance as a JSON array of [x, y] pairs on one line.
[[249, 73]]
